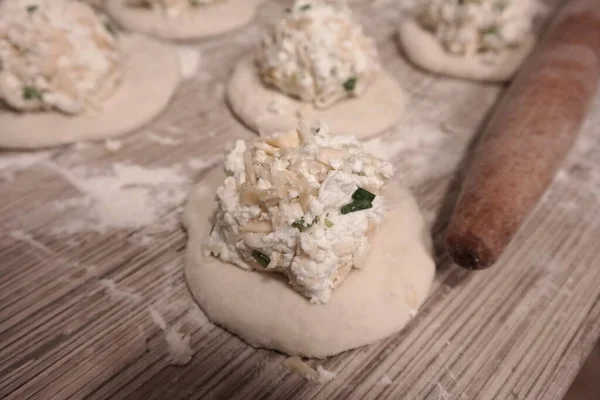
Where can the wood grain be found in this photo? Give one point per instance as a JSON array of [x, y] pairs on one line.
[[519, 331]]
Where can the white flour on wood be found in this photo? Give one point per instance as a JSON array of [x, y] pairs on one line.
[[125, 196], [13, 162], [189, 59], [119, 293], [178, 343]]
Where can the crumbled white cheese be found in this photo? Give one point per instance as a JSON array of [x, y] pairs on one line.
[[172, 8], [56, 54], [318, 54], [284, 208], [468, 27]]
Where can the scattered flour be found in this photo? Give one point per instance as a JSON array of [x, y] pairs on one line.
[[385, 380], [179, 347], [119, 293], [162, 140], [157, 318], [320, 375], [178, 343], [126, 196], [422, 153], [189, 59], [198, 164], [20, 234], [13, 162], [113, 145]]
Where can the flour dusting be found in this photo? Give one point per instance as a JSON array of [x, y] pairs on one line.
[[21, 235], [385, 380], [11, 163], [422, 151], [179, 347], [189, 59], [157, 318], [198, 164], [125, 196], [162, 140], [119, 293]]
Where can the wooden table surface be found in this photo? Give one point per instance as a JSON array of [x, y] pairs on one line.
[[86, 304]]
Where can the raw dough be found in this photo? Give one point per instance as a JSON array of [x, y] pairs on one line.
[[206, 21], [377, 110], [151, 76], [265, 311], [423, 49]]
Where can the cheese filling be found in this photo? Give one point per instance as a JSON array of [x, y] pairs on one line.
[[303, 204], [467, 27], [55, 54], [172, 8], [317, 53]]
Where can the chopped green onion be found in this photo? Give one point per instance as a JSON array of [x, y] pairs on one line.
[[350, 84], [305, 7], [363, 194], [301, 225], [356, 205], [194, 3], [32, 8], [492, 31], [328, 223], [31, 93], [110, 28], [263, 259]]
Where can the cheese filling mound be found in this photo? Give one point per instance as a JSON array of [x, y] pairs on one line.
[[172, 8], [55, 54], [317, 53], [303, 204], [467, 27]]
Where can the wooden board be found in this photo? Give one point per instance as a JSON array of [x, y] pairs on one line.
[[518, 331]]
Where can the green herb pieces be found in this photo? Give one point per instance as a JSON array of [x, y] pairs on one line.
[[194, 3], [263, 259], [32, 8], [328, 223], [301, 224], [305, 7], [356, 205], [350, 84], [31, 93], [363, 194], [493, 30], [110, 28]]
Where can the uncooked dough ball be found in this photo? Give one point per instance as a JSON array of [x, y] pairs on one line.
[[474, 39], [55, 54], [317, 53]]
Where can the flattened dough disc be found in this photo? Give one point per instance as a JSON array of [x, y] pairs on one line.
[[424, 50], [264, 310], [205, 21], [151, 76], [377, 110]]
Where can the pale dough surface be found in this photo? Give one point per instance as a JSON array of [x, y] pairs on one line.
[[264, 310], [424, 50], [151, 76], [377, 110], [203, 22]]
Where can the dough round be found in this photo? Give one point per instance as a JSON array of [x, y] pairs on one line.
[[377, 110], [423, 49], [204, 22], [151, 76], [263, 309]]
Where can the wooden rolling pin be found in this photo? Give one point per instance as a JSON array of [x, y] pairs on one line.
[[528, 137]]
